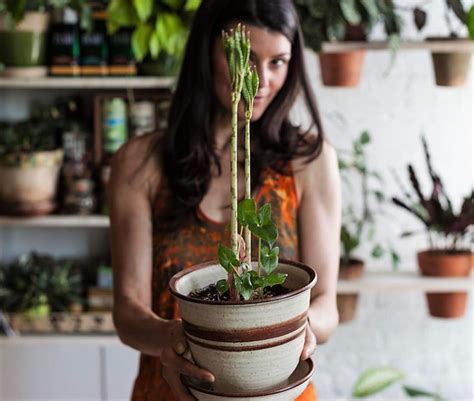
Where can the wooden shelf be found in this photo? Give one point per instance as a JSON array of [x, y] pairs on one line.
[[373, 282], [441, 46], [55, 221], [87, 83]]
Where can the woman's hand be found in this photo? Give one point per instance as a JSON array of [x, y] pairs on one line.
[[175, 365], [309, 343]]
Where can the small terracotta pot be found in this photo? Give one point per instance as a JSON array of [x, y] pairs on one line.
[[441, 264], [249, 345], [341, 69], [451, 69], [347, 303]]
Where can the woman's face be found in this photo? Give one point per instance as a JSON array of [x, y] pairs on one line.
[[271, 54]]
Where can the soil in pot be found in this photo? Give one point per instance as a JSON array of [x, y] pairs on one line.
[[210, 293], [347, 303], [446, 264]]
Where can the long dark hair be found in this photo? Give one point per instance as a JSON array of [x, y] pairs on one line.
[[187, 148]]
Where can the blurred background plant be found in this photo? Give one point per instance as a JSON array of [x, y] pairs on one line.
[[38, 284], [160, 26], [446, 229], [358, 223]]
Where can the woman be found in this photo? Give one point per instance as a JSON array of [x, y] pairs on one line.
[[169, 197]]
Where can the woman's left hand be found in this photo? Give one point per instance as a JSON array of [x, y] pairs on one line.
[[309, 343]]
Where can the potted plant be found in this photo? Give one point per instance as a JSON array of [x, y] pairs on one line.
[[448, 254], [240, 321], [30, 161], [358, 226], [160, 30], [451, 68], [23, 35], [345, 21]]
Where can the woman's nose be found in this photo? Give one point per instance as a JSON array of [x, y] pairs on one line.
[[262, 76]]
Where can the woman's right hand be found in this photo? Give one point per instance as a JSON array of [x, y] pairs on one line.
[[175, 364]]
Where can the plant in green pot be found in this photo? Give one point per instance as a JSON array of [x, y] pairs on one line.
[[23, 34], [448, 232], [245, 317], [451, 67], [358, 221], [335, 21], [30, 160], [160, 30]]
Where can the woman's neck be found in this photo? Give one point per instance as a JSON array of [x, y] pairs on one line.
[[223, 130]]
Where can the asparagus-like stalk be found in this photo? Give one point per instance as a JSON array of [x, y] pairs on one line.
[[249, 91], [237, 48]]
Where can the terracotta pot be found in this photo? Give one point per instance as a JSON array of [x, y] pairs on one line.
[[451, 69], [297, 382], [347, 303], [249, 345], [341, 69], [24, 48], [441, 264], [29, 182]]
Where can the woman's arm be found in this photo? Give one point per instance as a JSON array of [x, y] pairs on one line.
[[319, 222]]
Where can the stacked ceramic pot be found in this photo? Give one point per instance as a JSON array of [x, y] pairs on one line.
[[252, 347]]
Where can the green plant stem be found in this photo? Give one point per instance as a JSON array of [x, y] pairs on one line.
[[233, 188], [248, 190], [259, 252]]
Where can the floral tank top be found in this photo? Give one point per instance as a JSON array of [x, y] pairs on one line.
[[197, 243]]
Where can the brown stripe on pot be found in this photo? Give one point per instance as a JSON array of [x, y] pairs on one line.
[[246, 335], [172, 285], [243, 348]]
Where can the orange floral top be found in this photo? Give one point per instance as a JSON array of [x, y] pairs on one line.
[[197, 243]]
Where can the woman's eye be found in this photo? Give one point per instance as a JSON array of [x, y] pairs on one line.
[[278, 62]]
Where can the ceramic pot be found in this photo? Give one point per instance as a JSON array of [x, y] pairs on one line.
[[342, 69], [295, 385], [29, 182], [249, 345], [442, 264], [24, 48], [451, 69], [347, 303]]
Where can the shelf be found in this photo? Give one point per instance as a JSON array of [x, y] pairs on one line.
[[441, 46], [403, 281], [55, 221], [70, 339], [87, 83]]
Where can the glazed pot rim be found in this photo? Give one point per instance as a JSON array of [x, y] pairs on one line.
[[276, 390], [443, 252], [181, 274]]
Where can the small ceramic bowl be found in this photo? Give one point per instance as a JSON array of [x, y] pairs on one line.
[[295, 385]]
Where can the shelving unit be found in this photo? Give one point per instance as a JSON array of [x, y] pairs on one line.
[[56, 221], [440, 46]]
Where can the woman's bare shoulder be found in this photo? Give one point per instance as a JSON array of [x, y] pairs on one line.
[[137, 163]]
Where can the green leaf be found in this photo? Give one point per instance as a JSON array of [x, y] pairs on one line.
[[371, 8], [350, 12], [379, 196], [173, 4], [255, 279], [168, 28], [268, 233], [377, 251], [275, 279], [244, 286], [265, 214], [364, 138], [121, 13], [255, 82], [246, 212], [222, 286], [154, 45], [470, 22], [269, 258], [416, 392], [141, 41], [144, 8], [375, 380], [227, 258], [395, 258], [192, 5]]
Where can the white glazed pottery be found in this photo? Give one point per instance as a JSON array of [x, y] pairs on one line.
[[289, 391], [248, 345]]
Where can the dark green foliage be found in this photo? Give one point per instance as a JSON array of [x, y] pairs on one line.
[[435, 211], [327, 20], [36, 280]]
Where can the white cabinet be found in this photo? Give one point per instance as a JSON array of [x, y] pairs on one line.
[[121, 367]]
